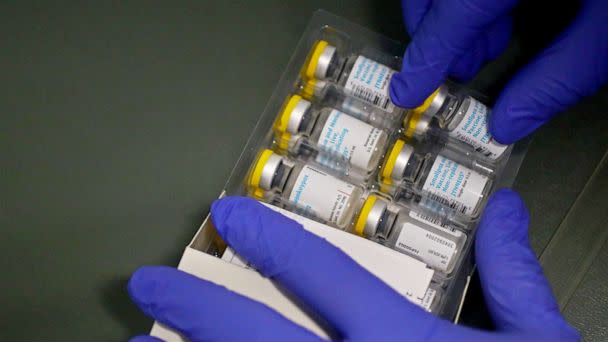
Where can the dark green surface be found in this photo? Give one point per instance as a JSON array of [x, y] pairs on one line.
[[121, 122], [575, 258]]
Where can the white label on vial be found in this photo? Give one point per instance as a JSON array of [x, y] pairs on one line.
[[369, 81], [473, 130], [435, 222], [434, 250], [427, 301], [454, 185], [235, 259], [349, 138], [320, 194]]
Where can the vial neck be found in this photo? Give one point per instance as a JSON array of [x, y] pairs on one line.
[[447, 113], [414, 168], [336, 65], [385, 225], [279, 180], [309, 121]]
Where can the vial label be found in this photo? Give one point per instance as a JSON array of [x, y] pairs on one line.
[[235, 259], [454, 185], [427, 301], [436, 223], [473, 130], [369, 81], [349, 138], [320, 194], [434, 250]]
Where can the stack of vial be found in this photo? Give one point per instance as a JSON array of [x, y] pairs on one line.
[[414, 180]]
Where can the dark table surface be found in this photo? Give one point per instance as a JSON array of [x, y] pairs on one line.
[[122, 120]]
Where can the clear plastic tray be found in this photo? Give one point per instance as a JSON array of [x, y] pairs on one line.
[[352, 38]]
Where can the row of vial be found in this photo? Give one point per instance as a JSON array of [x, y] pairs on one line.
[[407, 170], [448, 116]]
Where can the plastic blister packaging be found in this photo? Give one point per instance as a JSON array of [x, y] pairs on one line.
[[324, 148]]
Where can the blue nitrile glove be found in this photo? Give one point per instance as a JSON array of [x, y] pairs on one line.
[[454, 38], [355, 303]]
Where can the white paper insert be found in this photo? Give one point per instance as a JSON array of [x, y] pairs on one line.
[[406, 275]]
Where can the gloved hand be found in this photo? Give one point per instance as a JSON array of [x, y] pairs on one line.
[[454, 38], [355, 303]]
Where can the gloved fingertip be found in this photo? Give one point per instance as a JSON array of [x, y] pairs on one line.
[[223, 209], [398, 91], [467, 65], [404, 94], [505, 195], [145, 338], [144, 285], [505, 219], [508, 124], [508, 203]]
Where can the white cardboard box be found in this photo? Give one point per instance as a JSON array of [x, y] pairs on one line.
[[406, 275]]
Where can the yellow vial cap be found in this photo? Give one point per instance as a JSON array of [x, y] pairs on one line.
[[313, 88], [309, 89], [282, 122], [319, 61], [389, 162], [313, 60], [253, 181], [364, 213], [414, 115]]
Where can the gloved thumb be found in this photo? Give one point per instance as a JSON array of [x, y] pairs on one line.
[[575, 66], [515, 288]]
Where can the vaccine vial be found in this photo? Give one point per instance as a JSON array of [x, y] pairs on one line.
[[406, 231], [332, 96], [304, 189], [360, 76], [452, 113], [438, 178], [329, 135]]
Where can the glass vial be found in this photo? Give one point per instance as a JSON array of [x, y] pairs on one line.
[[458, 116], [303, 189], [439, 178], [406, 231], [332, 96], [329, 136], [360, 76]]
